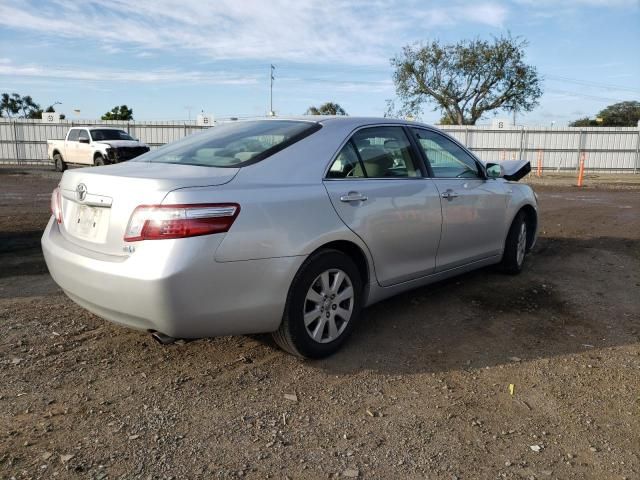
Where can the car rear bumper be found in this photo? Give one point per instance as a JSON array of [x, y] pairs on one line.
[[173, 286]]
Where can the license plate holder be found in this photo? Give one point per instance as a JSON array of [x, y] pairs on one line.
[[87, 221]]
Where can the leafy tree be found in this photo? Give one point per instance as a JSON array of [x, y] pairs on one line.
[[447, 120], [16, 105], [584, 122], [623, 114], [467, 79], [119, 113], [8, 105], [328, 108], [29, 108]]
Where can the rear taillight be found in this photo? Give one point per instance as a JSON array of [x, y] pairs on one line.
[[56, 205], [157, 222]]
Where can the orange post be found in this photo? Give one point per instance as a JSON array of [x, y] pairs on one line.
[[581, 170], [539, 169], [503, 156]]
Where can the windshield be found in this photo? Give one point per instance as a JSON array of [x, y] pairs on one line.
[[109, 134], [233, 144]]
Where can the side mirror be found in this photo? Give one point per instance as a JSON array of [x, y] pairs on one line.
[[83, 140], [494, 170]]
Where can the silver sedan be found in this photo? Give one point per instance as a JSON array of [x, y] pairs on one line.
[[288, 226]]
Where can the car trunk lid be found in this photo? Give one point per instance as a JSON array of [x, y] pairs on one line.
[[98, 202]]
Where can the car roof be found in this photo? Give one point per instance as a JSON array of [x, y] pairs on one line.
[[356, 121], [97, 127], [345, 120]]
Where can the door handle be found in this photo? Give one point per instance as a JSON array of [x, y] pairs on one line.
[[353, 197], [449, 195]]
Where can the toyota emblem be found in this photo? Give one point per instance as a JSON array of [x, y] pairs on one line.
[[81, 191]]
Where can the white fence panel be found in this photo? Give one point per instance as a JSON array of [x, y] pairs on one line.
[[604, 149]]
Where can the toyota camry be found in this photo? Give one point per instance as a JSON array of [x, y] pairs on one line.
[[287, 226]]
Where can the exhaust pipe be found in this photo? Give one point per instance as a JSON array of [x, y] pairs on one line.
[[163, 339]]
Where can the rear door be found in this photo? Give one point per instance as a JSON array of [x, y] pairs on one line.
[[473, 207], [377, 187]]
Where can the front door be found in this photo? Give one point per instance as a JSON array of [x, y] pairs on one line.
[[377, 188], [71, 146], [473, 207], [84, 152]]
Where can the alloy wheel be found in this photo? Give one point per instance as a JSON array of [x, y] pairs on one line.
[[328, 305]]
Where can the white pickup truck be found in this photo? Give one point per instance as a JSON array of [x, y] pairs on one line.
[[94, 146]]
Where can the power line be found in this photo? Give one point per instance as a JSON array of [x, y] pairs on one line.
[[589, 83], [585, 95]]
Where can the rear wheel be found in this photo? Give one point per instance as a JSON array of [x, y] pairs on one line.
[[98, 161], [516, 246], [323, 306], [59, 164]]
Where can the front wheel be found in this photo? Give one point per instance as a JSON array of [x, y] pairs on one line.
[[323, 306], [515, 247], [98, 161]]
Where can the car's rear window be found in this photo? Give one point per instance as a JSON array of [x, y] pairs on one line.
[[233, 144]]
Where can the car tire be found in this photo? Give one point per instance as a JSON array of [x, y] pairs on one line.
[[58, 163], [515, 248], [326, 289], [98, 161]]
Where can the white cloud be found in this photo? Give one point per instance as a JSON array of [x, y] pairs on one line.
[[345, 31], [482, 13], [578, 3], [487, 13], [191, 77], [112, 49], [102, 75]]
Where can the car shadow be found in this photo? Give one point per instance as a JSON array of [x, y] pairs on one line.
[[574, 295], [484, 318], [21, 254]]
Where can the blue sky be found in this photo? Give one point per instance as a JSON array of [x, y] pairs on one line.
[[161, 56]]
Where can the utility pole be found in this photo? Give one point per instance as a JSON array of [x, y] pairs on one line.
[[188, 108], [272, 78]]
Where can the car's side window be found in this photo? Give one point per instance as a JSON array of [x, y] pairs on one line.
[[446, 158], [346, 164], [73, 135], [385, 152], [83, 135]]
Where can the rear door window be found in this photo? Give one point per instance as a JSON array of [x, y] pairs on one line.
[[346, 164], [385, 152], [73, 135], [376, 152]]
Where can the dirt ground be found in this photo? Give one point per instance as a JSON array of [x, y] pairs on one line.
[[420, 391]]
